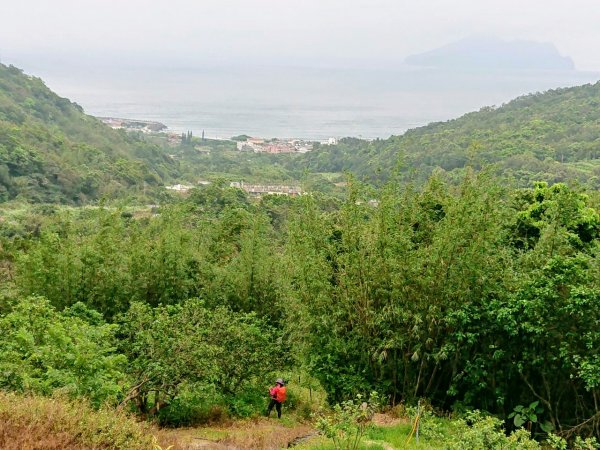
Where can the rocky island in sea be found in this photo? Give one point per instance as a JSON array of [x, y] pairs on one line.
[[492, 53]]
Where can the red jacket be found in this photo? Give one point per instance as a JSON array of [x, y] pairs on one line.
[[278, 393]]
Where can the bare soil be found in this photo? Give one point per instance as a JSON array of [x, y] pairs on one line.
[[260, 434]]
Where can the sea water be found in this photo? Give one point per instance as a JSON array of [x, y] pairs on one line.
[[296, 102]]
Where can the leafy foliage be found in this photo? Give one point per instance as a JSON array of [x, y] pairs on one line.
[[347, 424], [472, 296], [44, 351], [426, 296], [168, 347], [454, 287], [522, 415], [481, 431]]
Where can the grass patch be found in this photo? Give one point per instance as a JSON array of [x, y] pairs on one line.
[[321, 443], [395, 435], [51, 423]]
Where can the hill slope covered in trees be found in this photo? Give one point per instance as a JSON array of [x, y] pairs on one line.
[[50, 151], [552, 136]]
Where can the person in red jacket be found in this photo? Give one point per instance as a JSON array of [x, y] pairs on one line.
[[278, 396]]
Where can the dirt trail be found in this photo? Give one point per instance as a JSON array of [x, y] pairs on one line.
[[260, 434]]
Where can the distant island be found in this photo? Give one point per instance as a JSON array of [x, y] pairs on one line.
[[489, 53]]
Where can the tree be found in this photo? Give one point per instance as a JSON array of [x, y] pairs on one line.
[[169, 347]]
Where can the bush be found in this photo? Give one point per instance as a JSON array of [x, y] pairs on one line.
[[174, 347], [250, 402], [347, 424], [590, 443], [305, 395], [195, 405], [480, 431], [42, 350]]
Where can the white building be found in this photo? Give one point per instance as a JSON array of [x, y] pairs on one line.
[[330, 141], [183, 188]]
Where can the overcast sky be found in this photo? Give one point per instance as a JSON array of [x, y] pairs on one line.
[[303, 32]]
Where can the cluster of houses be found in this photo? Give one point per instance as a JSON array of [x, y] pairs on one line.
[[173, 139], [184, 188], [258, 190], [181, 188], [251, 144], [253, 190], [258, 145]]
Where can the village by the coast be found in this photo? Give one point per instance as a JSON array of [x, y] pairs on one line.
[[243, 144], [274, 146]]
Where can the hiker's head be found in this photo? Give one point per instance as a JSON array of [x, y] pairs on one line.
[[279, 381]]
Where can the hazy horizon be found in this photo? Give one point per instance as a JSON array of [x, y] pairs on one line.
[[307, 33], [310, 69], [298, 103]]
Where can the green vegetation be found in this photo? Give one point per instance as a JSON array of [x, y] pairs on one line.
[[475, 297], [474, 431], [551, 136], [451, 286], [50, 151], [348, 422], [212, 160], [188, 347], [72, 352]]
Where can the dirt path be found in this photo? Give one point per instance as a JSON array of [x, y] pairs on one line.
[[260, 434]]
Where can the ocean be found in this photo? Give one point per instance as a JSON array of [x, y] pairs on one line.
[[287, 102]]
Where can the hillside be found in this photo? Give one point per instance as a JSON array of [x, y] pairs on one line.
[[552, 136], [51, 151]]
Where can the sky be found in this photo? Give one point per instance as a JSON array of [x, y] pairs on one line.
[[328, 33]]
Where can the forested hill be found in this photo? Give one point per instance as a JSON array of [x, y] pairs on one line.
[[50, 151], [552, 136]]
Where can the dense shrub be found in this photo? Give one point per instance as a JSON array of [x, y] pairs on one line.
[[194, 405], [176, 346], [438, 294], [44, 351], [474, 297]]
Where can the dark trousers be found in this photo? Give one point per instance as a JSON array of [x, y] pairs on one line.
[[277, 406]]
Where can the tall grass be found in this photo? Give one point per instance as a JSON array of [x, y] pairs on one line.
[[32, 422]]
